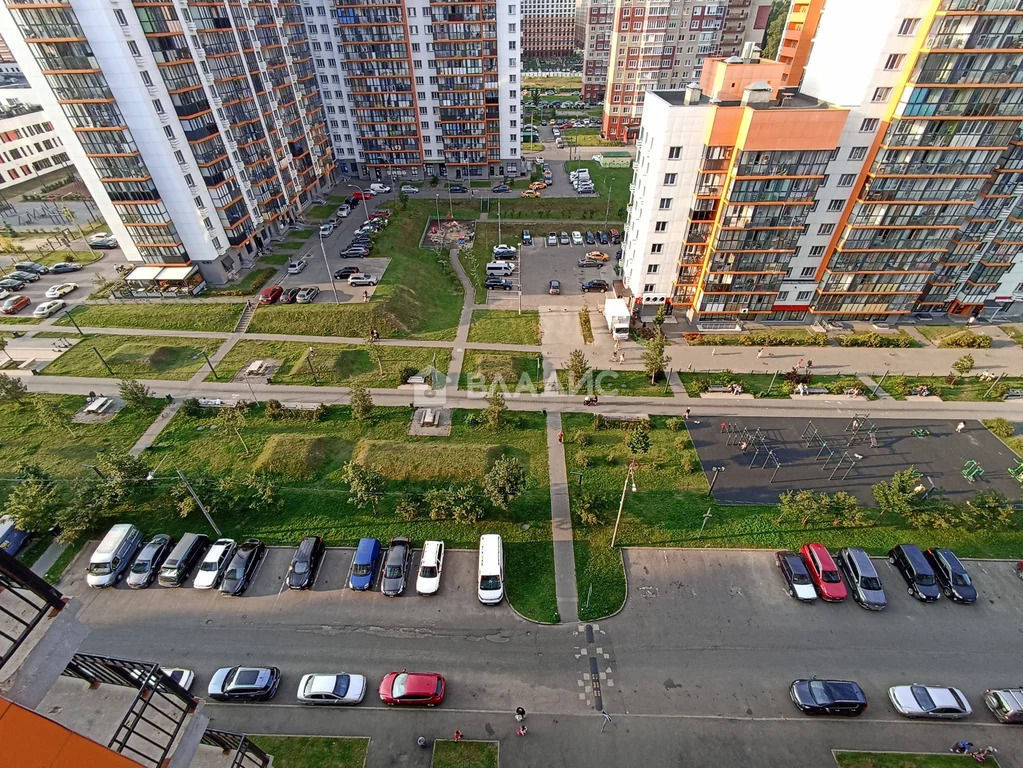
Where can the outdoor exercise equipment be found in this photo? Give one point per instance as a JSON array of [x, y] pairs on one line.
[[972, 470], [1017, 471], [922, 432], [770, 457], [859, 426]]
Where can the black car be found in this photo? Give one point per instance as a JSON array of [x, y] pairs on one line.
[[917, 572], [289, 295], [64, 266], [599, 286], [10, 284], [397, 564], [590, 239], [527, 238], [32, 266], [828, 697], [457, 188], [243, 565], [344, 272], [498, 284], [602, 237], [147, 563], [955, 581], [500, 188], [351, 202], [25, 277], [797, 576], [244, 683], [306, 563]]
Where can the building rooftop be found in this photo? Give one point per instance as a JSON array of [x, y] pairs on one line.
[[784, 101]]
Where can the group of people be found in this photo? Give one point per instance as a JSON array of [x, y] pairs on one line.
[[964, 747], [520, 716]]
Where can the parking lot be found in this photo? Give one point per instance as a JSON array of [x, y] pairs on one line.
[[85, 278]]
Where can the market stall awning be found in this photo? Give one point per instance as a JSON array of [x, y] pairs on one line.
[[177, 273], [146, 273]]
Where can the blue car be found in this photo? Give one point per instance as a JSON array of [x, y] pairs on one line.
[[500, 188], [364, 566]]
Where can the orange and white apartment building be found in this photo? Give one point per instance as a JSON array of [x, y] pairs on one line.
[[883, 177]]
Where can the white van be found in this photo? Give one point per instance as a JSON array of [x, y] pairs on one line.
[[491, 570], [113, 555], [379, 189], [500, 268]]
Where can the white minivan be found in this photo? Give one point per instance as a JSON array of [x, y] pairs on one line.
[[500, 268], [491, 570], [113, 555]]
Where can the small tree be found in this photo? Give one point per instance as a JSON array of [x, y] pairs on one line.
[[361, 403], [988, 511], [577, 367], [34, 503], [467, 504], [52, 415], [440, 502], [504, 482], [233, 418], [659, 318], [654, 359], [134, 393], [192, 408], [365, 487], [402, 200], [963, 366], [125, 476], [638, 439], [588, 508], [493, 416], [410, 507], [900, 496], [12, 389]]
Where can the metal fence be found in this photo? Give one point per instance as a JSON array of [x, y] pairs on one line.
[[25, 599], [246, 754]]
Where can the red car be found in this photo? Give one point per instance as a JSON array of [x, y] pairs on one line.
[[270, 295], [361, 195], [824, 573], [412, 689], [14, 304]]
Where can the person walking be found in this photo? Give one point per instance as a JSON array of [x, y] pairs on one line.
[[961, 747], [760, 353], [520, 714], [458, 735], [521, 731], [809, 365], [561, 437], [960, 427], [421, 741], [686, 414], [799, 364]]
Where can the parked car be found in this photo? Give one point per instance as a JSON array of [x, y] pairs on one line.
[[824, 573], [797, 575], [244, 683], [14, 304], [290, 295], [345, 272], [242, 567], [952, 576], [361, 278], [379, 189], [933, 701], [183, 677], [527, 238], [10, 284], [828, 697], [61, 289], [182, 559], [419, 689], [65, 266], [864, 583], [360, 194], [919, 576], [25, 277], [554, 289], [32, 266], [552, 238], [306, 563], [598, 256], [430, 566], [212, 568], [326, 230], [335, 689], [1006, 704], [591, 286], [504, 252], [586, 263], [577, 237], [501, 188], [457, 188], [355, 252], [602, 237], [408, 189], [529, 193], [12, 538], [615, 235], [103, 241], [364, 564], [494, 283], [148, 561], [396, 567], [590, 238], [296, 267], [343, 211], [538, 185], [270, 295], [48, 308], [307, 295]]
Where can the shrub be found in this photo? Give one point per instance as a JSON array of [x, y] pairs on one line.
[[407, 373], [191, 408], [598, 421], [966, 340], [682, 443], [473, 419], [319, 413], [612, 459], [274, 410], [581, 458], [410, 507], [674, 424], [688, 463], [581, 439], [896, 386], [1002, 428], [871, 339], [702, 385]]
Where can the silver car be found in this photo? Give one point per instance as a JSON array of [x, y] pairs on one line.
[[932, 701], [396, 566], [341, 688], [864, 583]]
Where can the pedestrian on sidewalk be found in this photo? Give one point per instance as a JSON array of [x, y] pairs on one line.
[[962, 747], [960, 427], [561, 437], [521, 731], [421, 741], [458, 735], [621, 356], [760, 353], [520, 714], [799, 364], [686, 414], [809, 365]]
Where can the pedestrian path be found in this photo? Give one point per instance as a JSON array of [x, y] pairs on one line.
[[871, 385], [464, 320], [246, 318], [161, 421], [561, 524], [48, 558]]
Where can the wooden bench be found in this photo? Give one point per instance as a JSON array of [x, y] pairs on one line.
[[98, 405], [256, 368], [429, 418], [416, 380], [718, 388], [27, 364], [816, 390], [211, 402]]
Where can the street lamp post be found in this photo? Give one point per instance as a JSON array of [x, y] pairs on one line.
[[436, 199], [629, 477], [714, 479], [365, 207], [312, 370], [330, 275], [706, 516]]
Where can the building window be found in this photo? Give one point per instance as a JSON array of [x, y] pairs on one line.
[[825, 229], [908, 27], [189, 180], [894, 61], [670, 178], [651, 269], [869, 125], [782, 295], [661, 226], [168, 132], [656, 247], [198, 202], [847, 179], [835, 205], [665, 204], [804, 295], [857, 153], [675, 153], [816, 250], [648, 288], [881, 94], [119, 15], [808, 271]]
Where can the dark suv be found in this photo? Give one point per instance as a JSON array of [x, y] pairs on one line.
[[955, 581], [917, 572]]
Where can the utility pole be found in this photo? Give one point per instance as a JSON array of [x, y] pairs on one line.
[[330, 274], [198, 502], [70, 316], [625, 487], [105, 365], [210, 364]]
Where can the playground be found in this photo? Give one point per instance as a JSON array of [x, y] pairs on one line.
[[759, 458], [449, 233]]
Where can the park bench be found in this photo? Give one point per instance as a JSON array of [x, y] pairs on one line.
[[211, 402], [1014, 393], [429, 418], [256, 368], [852, 391], [719, 326], [416, 380], [27, 364], [816, 390], [98, 405], [718, 388]]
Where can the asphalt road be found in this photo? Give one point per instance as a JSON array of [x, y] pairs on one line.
[[694, 671]]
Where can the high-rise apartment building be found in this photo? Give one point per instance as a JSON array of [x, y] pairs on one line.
[[593, 37], [29, 146], [658, 45], [900, 191], [548, 28], [197, 125]]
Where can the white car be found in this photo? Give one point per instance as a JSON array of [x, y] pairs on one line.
[[4, 293], [307, 295], [326, 230], [341, 688], [379, 189], [343, 211], [360, 278], [577, 237], [183, 677], [296, 267], [408, 189], [430, 566], [63, 289], [214, 564], [934, 701], [47, 308], [504, 251]]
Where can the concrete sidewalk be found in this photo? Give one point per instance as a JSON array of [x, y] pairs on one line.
[[561, 524]]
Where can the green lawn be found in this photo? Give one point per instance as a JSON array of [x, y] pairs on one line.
[[339, 365], [55, 257], [766, 384], [968, 388], [464, 754], [26, 439], [247, 286], [532, 146], [314, 752], [507, 368], [137, 357], [18, 320], [316, 500], [275, 259], [629, 383], [1014, 332], [935, 333], [418, 297], [321, 212], [588, 137], [169, 316], [903, 760], [493, 326], [55, 571]]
